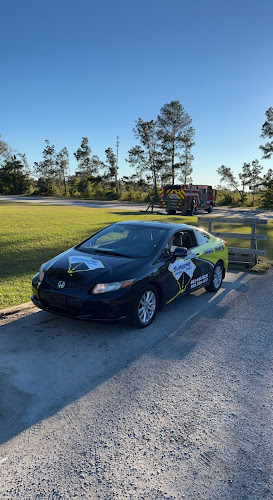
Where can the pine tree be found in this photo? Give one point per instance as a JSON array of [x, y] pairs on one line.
[[187, 158], [174, 131], [113, 168], [62, 165], [146, 158], [267, 132], [13, 180], [267, 193]]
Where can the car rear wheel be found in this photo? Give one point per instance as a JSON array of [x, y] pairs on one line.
[[146, 307], [217, 278]]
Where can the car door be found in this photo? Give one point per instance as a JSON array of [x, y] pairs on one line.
[[199, 253], [176, 275]]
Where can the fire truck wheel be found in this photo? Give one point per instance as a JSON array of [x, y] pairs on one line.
[[209, 210]]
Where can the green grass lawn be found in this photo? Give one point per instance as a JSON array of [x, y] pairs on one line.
[[31, 235]]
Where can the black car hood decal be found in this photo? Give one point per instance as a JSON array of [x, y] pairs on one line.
[[89, 268]]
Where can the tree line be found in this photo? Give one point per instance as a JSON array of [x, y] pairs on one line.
[[162, 152]]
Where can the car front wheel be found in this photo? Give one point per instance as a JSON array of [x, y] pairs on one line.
[[217, 278], [146, 307]]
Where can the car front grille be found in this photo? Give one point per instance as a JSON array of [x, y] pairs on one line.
[[60, 302], [69, 283]]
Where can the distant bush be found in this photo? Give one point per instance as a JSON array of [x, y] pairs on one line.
[[134, 195], [267, 198], [224, 198], [111, 194]]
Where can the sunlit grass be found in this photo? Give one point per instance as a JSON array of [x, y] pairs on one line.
[[31, 235]]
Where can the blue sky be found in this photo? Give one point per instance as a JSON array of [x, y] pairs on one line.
[[84, 68]]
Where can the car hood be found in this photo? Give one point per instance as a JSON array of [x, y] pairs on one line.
[[78, 269]]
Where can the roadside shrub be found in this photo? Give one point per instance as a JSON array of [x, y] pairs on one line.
[[135, 195], [267, 198], [111, 194], [49, 187], [224, 199]]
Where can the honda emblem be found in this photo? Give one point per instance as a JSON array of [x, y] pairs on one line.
[[61, 284]]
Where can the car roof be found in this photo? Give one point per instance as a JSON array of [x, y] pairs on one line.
[[171, 226]]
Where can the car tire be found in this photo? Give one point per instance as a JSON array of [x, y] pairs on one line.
[[217, 278], [146, 307]]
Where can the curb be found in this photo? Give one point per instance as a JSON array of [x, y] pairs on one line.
[[16, 309]]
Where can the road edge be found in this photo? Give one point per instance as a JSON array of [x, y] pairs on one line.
[[15, 309]]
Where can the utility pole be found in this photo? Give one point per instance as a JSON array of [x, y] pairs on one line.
[[117, 143], [117, 186]]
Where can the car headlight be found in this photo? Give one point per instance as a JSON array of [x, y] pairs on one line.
[[41, 273], [111, 287]]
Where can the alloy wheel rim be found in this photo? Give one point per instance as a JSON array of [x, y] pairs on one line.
[[217, 277], [146, 307]]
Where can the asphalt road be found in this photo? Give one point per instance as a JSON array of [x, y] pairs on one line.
[[218, 211], [181, 409], [73, 202]]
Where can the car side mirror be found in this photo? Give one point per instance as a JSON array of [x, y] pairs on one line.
[[180, 252]]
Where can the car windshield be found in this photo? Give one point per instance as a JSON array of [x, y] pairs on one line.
[[128, 240]]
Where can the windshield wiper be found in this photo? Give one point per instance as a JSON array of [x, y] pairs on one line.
[[106, 252], [113, 252], [85, 250]]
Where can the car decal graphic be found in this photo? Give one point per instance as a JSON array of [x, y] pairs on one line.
[[83, 264], [180, 266], [182, 270], [205, 260], [219, 248], [199, 281], [208, 251]]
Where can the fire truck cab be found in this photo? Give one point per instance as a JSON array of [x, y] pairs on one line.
[[187, 198]]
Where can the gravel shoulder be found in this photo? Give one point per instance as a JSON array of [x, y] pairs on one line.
[[189, 418]]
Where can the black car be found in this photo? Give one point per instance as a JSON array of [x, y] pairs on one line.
[[130, 270]]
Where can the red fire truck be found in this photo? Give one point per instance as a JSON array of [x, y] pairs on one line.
[[181, 198]]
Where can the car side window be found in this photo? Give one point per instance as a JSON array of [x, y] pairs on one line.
[[189, 240], [183, 238], [202, 237], [174, 242]]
